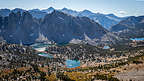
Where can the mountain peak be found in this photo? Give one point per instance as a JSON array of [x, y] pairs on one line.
[[18, 10], [5, 9], [65, 8], [56, 12], [86, 11], [112, 15], [37, 10], [106, 20], [51, 8]]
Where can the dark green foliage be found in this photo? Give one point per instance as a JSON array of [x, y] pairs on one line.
[[35, 67], [42, 76], [63, 77], [105, 77], [137, 62], [0, 58]]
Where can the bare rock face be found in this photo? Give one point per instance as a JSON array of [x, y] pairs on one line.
[[18, 27], [106, 20], [57, 27], [1, 39], [1, 23], [61, 27]]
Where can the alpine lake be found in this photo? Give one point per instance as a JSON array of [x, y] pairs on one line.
[[41, 48]]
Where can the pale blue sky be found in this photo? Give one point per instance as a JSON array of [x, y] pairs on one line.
[[118, 7]]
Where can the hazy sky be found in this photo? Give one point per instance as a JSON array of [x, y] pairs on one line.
[[118, 7]]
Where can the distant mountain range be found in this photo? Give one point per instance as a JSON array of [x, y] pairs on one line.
[[67, 26], [131, 27], [106, 20], [22, 27]]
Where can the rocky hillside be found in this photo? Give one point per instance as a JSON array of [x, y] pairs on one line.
[[130, 28], [63, 28], [57, 26]]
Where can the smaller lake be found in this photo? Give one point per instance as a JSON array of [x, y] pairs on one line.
[[41, 48], [106, 47], [72, 63], [39, 45], [137, 39], [45, 55]]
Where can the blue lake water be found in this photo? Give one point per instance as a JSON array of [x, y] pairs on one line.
[[69, 63], [45, 55], [72, 63], [106, 47], [41, 48], [39, 45], [137, 39]]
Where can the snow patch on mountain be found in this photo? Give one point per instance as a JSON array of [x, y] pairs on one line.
[[86, 37], [89, 41], [75, 41], [112, 18], [42, 38]]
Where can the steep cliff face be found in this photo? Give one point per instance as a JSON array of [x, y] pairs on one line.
[[106, 20], [61, 27], [19, 27], [1, 23], [57, 27]]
